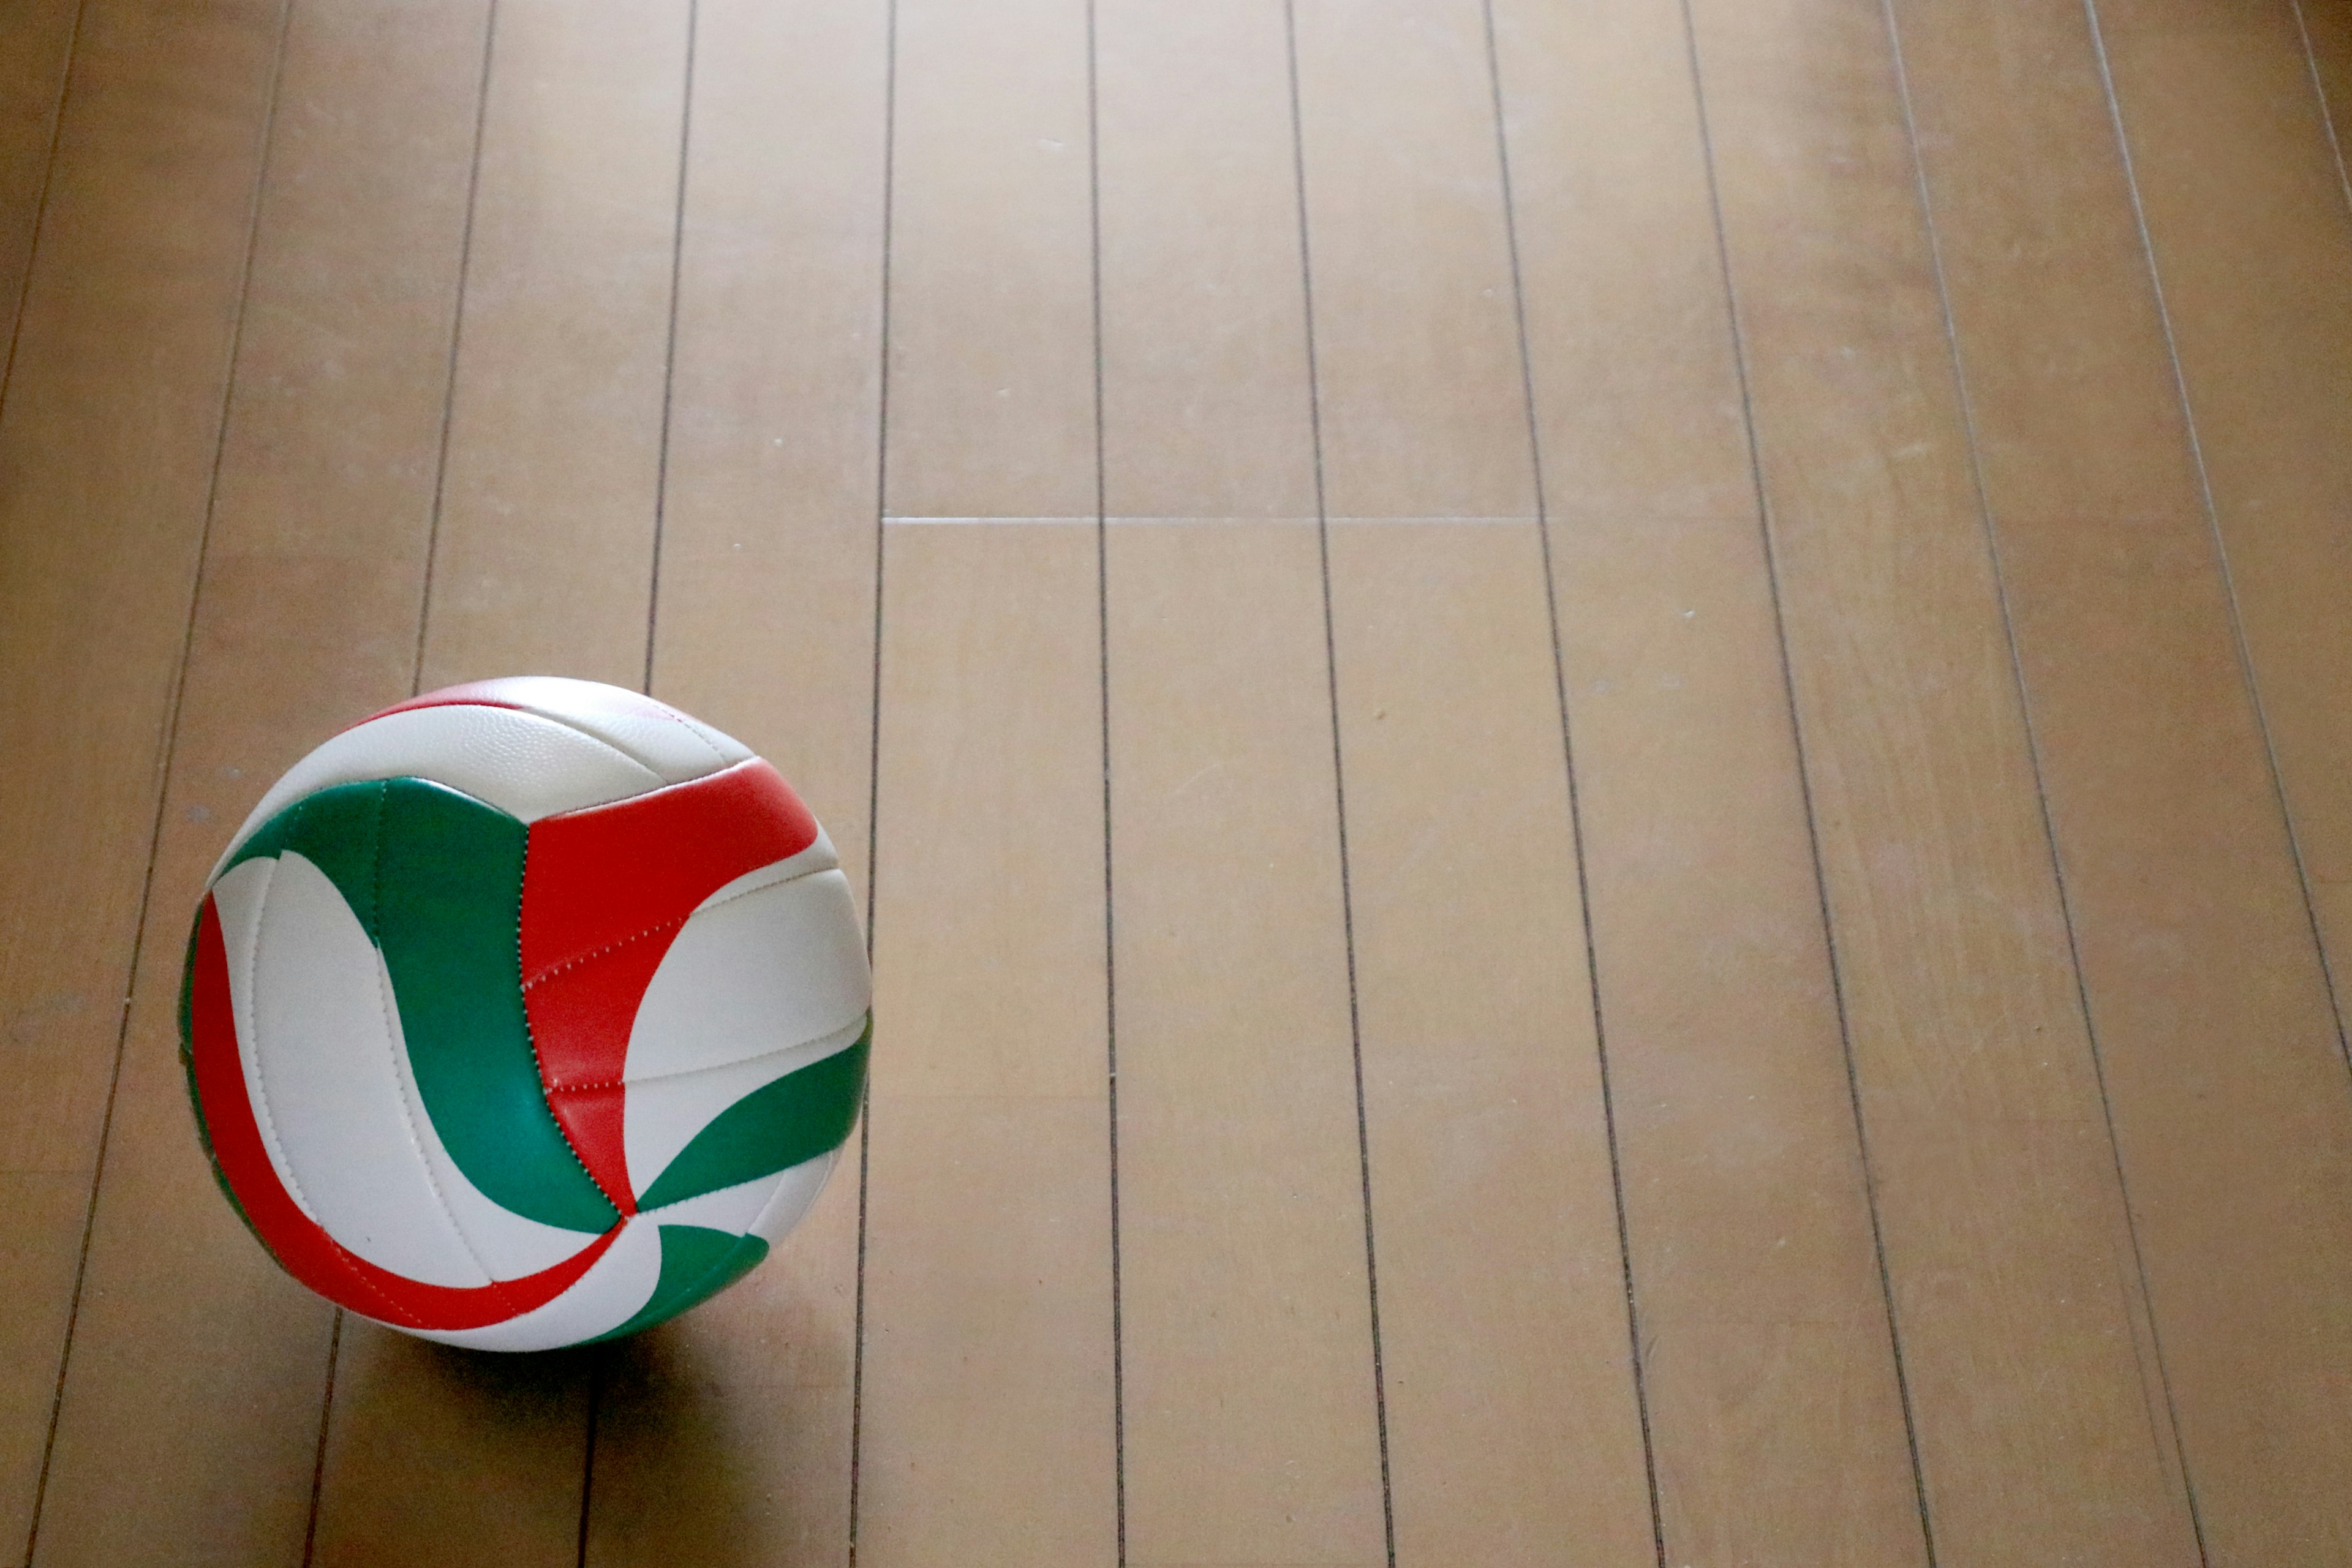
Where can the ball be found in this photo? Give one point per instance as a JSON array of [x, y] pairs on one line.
[[525, 1014]]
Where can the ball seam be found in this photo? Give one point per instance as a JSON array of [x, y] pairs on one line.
[[555, 970], [395, 1041], [672, 1077], [538, 1063], [260, 1096]]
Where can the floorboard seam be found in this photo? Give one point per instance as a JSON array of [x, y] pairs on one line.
[[170, 745], [2033, 751], [670, 351], [456, 342], [1339, 776], [1805, 789], [41, 202], [2326, 109], [1111, 931], [1640, 1376], [873, 743], [2213, 526]]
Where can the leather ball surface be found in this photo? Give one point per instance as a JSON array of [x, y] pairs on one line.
[[525, 1014]]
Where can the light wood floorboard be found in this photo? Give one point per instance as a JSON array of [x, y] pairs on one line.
[[108, 443], [2205, 985], [1773, 1399], [1599, 751], [36, 38], [725, 1438], [2016, 1291]]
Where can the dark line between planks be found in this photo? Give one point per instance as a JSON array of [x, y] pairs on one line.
[[2213, 526], [1805, 789], [669, 352], [874, 737], [319, 1456], [1575, 801], [171, 743], [457, 340], [1338, 774], [1111, 929], [2326, 110], [41, 202], [2033, 753]]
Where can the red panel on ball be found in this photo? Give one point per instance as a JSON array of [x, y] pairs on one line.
[[604, 892]]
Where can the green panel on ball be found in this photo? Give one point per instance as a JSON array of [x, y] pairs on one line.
[[776, 1126], [436, 879], [697, 1264]]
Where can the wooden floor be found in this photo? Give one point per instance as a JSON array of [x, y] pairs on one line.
[[1601, 751]]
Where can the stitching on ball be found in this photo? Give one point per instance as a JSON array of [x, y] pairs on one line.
[[570, 964], [778, 882], [863, 1019], [589, 957], [538, 1063]]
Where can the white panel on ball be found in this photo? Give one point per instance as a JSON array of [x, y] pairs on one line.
[[521, 764], [324, 1077], [730, 1208], [795, 1194], [615, 1286], [662, 1115], [818, 856], [749, 975], [670, 744], [239, 896]]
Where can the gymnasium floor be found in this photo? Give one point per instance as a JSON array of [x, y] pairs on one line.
[[1601, 751]]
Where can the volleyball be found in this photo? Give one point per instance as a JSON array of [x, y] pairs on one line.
[[525, 1014]]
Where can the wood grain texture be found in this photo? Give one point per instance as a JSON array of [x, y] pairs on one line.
[[1887, 712], [1251, 1428], [1774, 1404], [991, 337], [1636, 387], [1206, 408], [725, 1436], [2246, 214], [106, 445], [543, 563], [2327, 28], [2016, 1293], [2204, 982], [1779, 1425], [988, 1420], [987, 1416], [1396, 130], [36, 46], [1515, 1434], [195, 1358]]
